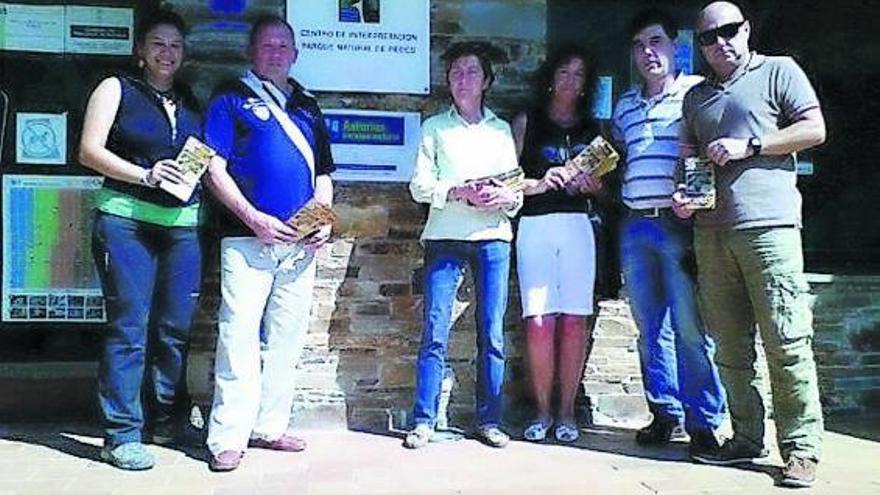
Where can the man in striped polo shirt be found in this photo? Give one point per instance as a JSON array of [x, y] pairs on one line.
[[681, 381]]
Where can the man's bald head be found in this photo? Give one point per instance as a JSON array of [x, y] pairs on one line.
[[723, 10], [723, 35]]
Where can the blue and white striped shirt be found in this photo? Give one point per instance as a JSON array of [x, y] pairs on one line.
[[647, 131]]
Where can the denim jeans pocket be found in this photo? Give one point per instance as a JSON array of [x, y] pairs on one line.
[[790, 303]]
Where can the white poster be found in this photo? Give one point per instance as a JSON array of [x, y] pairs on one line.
[[602, 98], [684, 51], [4, 109], [374, 46], [373, 145], [41, 138], [33, 28], [99, 30]]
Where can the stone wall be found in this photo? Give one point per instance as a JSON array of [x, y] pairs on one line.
[[847, 342], [846, 320], [612, 378]]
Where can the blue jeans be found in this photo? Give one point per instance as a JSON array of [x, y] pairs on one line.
[[680, 377], [445, 261], [150, 275]]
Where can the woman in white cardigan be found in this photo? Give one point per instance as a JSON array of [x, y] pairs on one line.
[[468, 226]]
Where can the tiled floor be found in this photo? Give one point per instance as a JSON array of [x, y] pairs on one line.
[[63, 459]]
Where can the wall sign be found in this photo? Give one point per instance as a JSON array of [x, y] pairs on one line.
[[99, 30], [684, 51], [372, 145], [34, 28], [374, 46], [66, 29], [41, 138]]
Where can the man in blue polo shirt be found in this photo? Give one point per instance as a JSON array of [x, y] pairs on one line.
[[681, 381], [275, 158]]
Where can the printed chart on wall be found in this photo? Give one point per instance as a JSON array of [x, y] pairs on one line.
[[373, 46], [48, 271], [372, 145]]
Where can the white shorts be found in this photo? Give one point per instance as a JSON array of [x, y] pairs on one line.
[[556, 264]]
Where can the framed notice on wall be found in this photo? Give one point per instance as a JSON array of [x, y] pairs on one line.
[[373, 145], [34, 28], [48, 270], [99, 30], [66, 29], [41, 138], [374, 46]]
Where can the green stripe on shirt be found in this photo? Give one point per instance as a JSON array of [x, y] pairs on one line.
[[123, 205]]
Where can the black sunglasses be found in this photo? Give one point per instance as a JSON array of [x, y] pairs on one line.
[[727, 31]]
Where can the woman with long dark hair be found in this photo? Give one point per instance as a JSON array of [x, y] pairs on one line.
[[144, 241], [556, 253]]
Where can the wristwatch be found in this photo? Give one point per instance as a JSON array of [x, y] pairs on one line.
[[755, 145]]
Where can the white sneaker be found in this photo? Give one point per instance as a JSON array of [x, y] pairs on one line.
[[418, 437]]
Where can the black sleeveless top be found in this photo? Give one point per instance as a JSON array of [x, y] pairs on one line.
[[547, 145], [141, 134]]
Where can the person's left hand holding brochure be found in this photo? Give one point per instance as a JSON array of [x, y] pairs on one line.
[[164, 170]]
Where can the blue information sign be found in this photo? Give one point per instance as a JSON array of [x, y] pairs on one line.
[[366, 129]]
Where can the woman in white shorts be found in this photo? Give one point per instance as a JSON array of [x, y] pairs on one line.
[[555, 246]]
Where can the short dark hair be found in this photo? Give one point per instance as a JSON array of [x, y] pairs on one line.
[[556, 59], [650, 17], [159, 17], [484, 51], [265, 21]]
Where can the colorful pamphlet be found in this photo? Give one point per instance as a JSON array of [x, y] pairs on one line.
[[699, 183], [597, 159], [193, 159], [514, 179], [311, 218]]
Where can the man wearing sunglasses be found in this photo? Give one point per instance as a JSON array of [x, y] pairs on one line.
[[750, 117]]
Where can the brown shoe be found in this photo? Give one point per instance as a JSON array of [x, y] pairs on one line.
[[799, 472], [225, 461], [285, 443]]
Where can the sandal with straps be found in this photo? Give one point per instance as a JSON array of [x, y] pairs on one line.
[[537, 430], [567, 433]]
